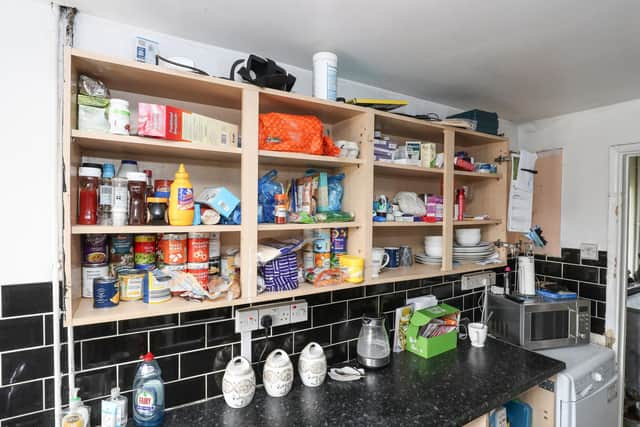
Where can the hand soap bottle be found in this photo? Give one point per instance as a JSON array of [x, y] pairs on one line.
[[79, 414], [181, 199], [114, 410], [148, 394]]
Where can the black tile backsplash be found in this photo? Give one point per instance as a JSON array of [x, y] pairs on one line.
[[588, 278], [191, 348]]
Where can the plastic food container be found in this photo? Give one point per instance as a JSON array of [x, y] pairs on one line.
[[325, 75]]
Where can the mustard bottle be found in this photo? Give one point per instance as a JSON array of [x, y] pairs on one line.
[[181, 199]]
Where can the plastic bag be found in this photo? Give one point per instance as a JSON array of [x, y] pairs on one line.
[[294, 133], [410, 203], [267, 190], [336, 191]]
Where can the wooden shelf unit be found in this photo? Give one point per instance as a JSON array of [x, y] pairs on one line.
[[239, 169]]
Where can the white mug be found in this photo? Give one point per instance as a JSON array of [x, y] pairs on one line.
[[378, 255], [477, 334], [375, 268]]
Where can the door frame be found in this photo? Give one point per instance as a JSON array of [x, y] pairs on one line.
[[616, 319]]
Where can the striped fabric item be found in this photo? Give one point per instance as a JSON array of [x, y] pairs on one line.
[[281, 274]]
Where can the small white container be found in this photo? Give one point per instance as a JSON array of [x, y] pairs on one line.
[[312, 365], [238, 383], [325, 75], [278, 374], [119, 116], [477, 334], [468, 236]]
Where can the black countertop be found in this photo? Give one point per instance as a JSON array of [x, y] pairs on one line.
[[451, 389]]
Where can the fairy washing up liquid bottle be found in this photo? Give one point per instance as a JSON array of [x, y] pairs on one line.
[[148, 394]]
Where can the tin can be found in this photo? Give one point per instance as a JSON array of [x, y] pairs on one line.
[[214, 254], [323, 260], [338, 245], [198, 248], [144, 251], [308, 260], [172, 249], [227, 266], [200, 271], [106, 292], [121, 253], [177, 267], [214, 266], [131, 283], [95, 249], [156, 288], [89, 273]]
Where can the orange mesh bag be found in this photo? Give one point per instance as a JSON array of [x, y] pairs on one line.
[[294, 133]]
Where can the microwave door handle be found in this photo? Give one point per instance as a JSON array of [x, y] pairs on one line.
[[572, 319]]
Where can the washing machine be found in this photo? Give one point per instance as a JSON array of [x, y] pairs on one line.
[[587, 390]]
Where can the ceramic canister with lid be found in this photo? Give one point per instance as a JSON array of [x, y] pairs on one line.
[[238, 383], [312, 365], [278, 374]]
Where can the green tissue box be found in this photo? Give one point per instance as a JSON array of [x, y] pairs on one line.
[[430, 347]]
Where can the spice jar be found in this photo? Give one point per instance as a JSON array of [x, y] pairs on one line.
[[137, 194], [88, 195], [280, 212], [157, 211]]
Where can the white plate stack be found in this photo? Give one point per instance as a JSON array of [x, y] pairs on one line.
[[480, 252]]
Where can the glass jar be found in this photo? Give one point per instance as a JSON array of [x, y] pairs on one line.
[[106, 195], [89, 181], [137, 195], [120, 208], [374, 350], [157, 211]]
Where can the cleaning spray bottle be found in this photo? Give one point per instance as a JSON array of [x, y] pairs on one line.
[[79, 414], [148, 394], [181, 199], [114, 410]]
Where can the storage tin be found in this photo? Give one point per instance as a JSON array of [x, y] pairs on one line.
[[145, 251], [131, 282], [90, 272], [172, 249], [105, 292], [95, 249]]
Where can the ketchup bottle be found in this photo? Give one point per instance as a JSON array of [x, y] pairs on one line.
[[460, 198]]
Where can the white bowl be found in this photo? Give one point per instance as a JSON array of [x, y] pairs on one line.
[[433, 241], [468, 236], [433, 251]]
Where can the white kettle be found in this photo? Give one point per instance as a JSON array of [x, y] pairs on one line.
[[277, 375], [238, 383], [312, 365]]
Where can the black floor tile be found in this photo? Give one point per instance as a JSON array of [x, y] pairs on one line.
[[31, 298], [177, 340]]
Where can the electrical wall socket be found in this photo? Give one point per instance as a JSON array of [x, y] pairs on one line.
[[478, 280], [589, 251], [283, 313]]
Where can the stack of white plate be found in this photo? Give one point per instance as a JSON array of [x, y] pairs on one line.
[[479, 252], [426, 259]]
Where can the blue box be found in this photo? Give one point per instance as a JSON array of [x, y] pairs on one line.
[[219, 199]]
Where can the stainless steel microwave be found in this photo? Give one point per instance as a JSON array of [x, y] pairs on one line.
[[540, 323]]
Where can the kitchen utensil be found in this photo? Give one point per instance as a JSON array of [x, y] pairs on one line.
[[468, 236], [312, 365], [477, 334], [238, 383], [394, 256], [406, 256], [378, 254], [277, 375], [346, 373], [373, 348]]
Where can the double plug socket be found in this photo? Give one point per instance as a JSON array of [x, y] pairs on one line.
[[269, 315]]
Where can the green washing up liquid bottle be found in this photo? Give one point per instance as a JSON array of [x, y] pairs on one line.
[[148, 394]]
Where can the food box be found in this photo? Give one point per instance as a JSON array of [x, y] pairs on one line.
[[219, 199], [167, 122], [430, 347]]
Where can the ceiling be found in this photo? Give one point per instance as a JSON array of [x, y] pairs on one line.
[[524, 59]]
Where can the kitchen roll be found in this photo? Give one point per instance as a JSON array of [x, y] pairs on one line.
[[526, 276]]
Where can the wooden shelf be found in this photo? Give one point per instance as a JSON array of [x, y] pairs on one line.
[[151, 229], [132, 146], [384, 168], [480, 175], [408, 127], [476, 222], [394, 224], [305, 160], [86, 314], [315, 226], [424, 271], [303, 289], [330, 112], [465, 137]]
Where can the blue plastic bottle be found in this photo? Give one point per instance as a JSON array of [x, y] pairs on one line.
[[148, 394]]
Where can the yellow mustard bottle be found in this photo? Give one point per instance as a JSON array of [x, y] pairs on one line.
[[181, 199]]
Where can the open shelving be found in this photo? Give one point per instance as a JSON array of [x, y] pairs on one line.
[[238, 169]]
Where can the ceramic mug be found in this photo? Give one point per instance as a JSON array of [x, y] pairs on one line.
[[394, 256], [379, 256], [277, 375], [238, 383], [477, 334], [312, 365]]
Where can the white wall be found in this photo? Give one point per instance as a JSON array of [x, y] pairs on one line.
[[28, 111], [29, 89], [585, 138]]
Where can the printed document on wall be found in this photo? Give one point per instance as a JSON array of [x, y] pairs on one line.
[[521, 192]]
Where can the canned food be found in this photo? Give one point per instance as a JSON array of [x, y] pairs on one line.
[[121, 253], [106, 292], [227, 266], [95, 249], [131, 283], [156, 288], [214, 266], [178, 267], [144, 256], [214, 245], [308, 260], [89, 273], [323, 260], [198, 248], [200, 271], [172, 249]]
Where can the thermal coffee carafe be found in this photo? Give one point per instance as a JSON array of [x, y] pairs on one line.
[[374, 350]]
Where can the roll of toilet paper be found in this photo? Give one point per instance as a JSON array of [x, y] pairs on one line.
[[526, 276]]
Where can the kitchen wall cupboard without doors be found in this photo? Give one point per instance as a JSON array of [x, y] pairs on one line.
[[239, 169]]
